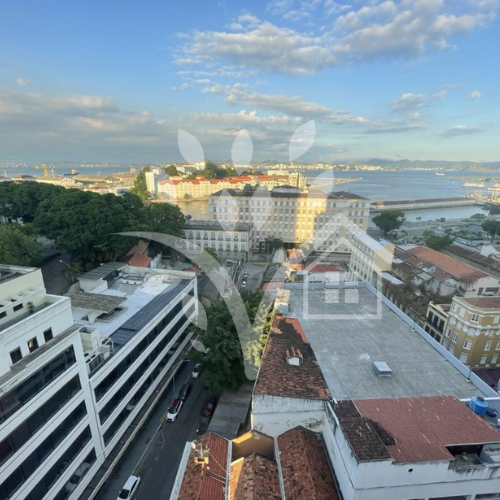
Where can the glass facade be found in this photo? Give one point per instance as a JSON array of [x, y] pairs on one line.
[[14, 400], [122, 367], [118, 421], [56, 471], [82, 470], [22, 434], [36, 458]]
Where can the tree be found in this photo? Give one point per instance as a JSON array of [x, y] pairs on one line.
[[161, 218], [248, 188], [18, 248], [140, 188], [171, 170], [273, 244], [438, 242], [390, 220], [222, 360], [492, 227]]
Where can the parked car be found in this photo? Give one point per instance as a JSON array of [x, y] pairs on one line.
[[210, 405], [196, 371], [132, 403], [491, 412], [184, 392], [77, 477], [174, 410], [128, 491], [245, 274]]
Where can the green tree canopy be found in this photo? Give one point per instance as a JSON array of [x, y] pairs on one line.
[[438, 242], [390, 220], [140, 188], [171, 170], [222, 365], [273, 244], [18, 248], [492, 227]]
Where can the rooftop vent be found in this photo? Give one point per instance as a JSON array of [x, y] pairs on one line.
[[294, 357], [382, 369]]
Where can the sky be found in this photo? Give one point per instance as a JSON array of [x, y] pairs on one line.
[[338, 80]]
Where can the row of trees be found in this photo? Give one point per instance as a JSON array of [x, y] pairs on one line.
[[84, 223]]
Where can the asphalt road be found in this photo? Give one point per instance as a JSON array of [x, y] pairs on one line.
[[158, 469], [158, 465]]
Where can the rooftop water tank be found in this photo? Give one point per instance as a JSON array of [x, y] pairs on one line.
[[478, 405]]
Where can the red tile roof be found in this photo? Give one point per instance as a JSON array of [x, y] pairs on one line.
[[304, 466], [278, 378], [139, 260], [141, 247], [423, 427], [254, 478], [422, 256], [202, 482]]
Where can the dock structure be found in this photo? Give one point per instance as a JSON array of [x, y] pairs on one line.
[[382, 206]]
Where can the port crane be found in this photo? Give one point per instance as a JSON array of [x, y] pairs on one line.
[[46, 169]]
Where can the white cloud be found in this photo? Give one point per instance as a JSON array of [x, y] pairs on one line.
[[459, 130], [381, 30], [475, 94], [408, 102], [395, 127], [22, 81], [440, 95]]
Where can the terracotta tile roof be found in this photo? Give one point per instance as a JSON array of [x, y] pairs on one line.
[[361, 433], [254, 478], [423, 427], [278, 378], [422, 256], [141, 248], [304, 466], [483, 302], [200, 482], [140, 260]]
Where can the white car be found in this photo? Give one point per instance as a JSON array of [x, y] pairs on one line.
[[174, 410], [196, 370], [128, 491]]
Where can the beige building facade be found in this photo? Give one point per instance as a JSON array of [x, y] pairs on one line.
[[469, 328], [327, 221]]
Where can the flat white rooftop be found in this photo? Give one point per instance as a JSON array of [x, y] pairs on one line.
[[150, 294], [351, 329]]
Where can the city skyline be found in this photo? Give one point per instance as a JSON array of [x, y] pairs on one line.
[[392, 79]]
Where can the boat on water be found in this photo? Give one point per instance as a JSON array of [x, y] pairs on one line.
[[473, 185], [439, 173], [73, 172]]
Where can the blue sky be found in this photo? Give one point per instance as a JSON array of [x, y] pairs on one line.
[[115, 81]]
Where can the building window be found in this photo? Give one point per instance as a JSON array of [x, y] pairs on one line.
[[18, 307], [494, 359], [16, 355], [448, 331], [466, 328], [454, 306], [487, 346], [475, 318], [463, 358], [3, 314], [33, 344], [455, 337], [496, 319], [48, 335], [497, 346], [467, 344], [483, 360]]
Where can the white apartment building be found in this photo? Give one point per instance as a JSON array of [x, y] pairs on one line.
[[76, 372], [153, 178], [48, 426], [134, 324], [327, 220], [370, 258], [235, 242]]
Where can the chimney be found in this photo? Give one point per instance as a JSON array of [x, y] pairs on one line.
[[294, 357]]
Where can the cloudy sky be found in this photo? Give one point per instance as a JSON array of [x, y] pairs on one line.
[[115, 81]]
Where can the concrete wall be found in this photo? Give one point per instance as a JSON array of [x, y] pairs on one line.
[[274, 415]]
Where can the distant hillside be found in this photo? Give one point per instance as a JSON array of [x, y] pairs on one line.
[[448, 165]]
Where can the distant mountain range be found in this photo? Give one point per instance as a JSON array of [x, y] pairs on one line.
[[448, 165]]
